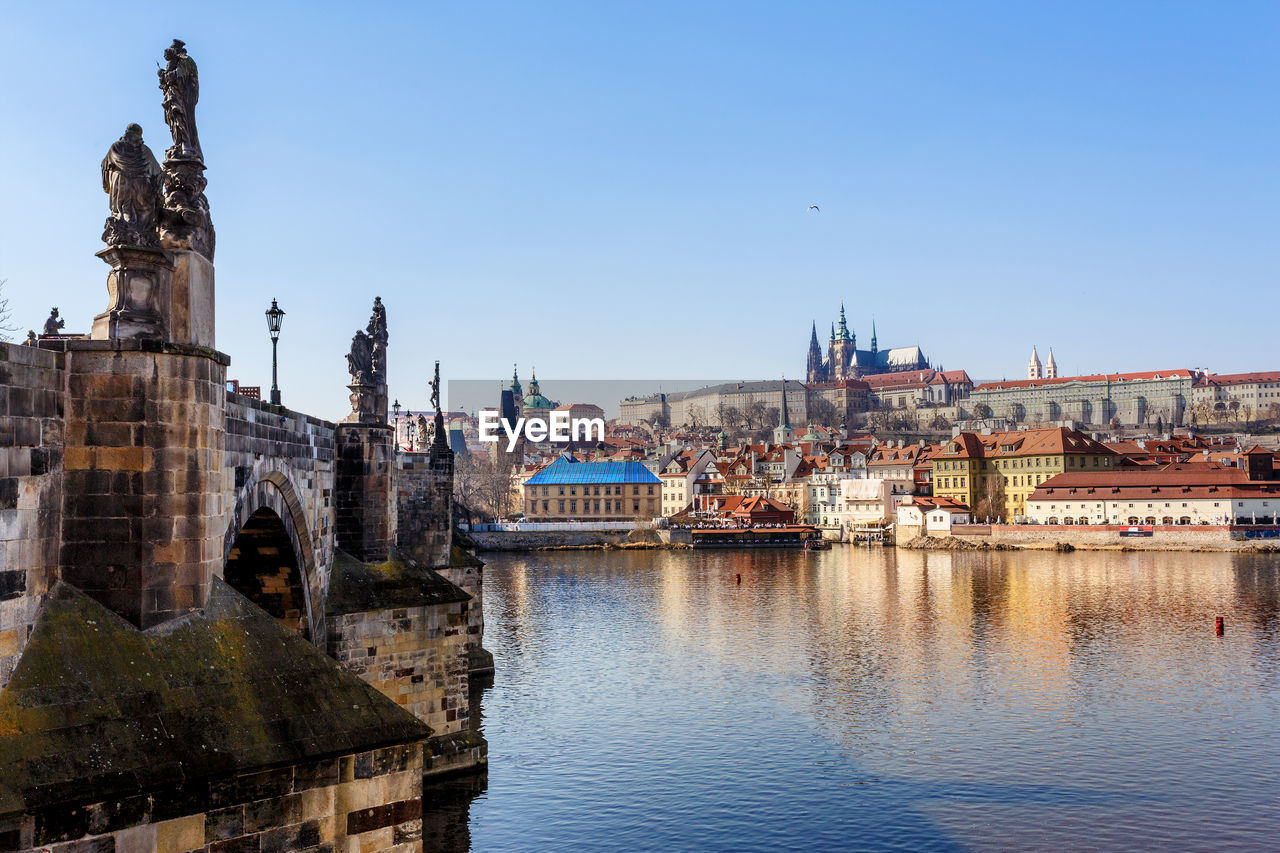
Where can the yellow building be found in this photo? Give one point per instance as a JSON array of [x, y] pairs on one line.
[[972, 467]]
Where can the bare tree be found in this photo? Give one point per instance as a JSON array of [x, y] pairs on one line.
[[7, 328], [991, 503], [823, 411]]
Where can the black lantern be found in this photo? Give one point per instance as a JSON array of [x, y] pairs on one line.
[[274, 317]]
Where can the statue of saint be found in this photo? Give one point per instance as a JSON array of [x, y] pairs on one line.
[[54, 323], [132, 179], [435, 389], [360, 359], [180, 82], [377, 331]]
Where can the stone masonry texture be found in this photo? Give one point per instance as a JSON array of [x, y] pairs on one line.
[[32, 431]]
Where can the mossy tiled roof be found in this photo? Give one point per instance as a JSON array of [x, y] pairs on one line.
[[357, 587], [98, 709]]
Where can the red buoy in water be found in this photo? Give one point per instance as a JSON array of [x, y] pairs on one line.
[[1218, 626]]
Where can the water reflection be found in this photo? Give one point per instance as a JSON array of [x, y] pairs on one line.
[[876, 699]]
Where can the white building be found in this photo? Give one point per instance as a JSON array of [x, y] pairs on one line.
[[935, 516], [1174, 495]]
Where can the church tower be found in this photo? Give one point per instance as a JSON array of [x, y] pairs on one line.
[[842, 351], [1051, 369], [516, 391], [813, 371], [1034, 369]]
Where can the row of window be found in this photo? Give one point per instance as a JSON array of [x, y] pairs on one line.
[[586, 490], [609, 506]]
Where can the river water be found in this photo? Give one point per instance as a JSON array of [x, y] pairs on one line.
[[876, 699]]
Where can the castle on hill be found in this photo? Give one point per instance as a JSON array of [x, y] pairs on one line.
[[845, 361]]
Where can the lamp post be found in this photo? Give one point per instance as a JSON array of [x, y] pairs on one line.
[[274, 316], [395, 407]]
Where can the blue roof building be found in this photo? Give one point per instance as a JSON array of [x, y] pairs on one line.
[[568, 490], [565, 471]]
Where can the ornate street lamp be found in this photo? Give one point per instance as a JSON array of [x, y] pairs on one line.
[[274, 316]]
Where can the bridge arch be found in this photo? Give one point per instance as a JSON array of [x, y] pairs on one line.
[[268, 556]]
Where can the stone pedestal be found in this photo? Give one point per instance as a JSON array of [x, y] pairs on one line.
[[368, 404], [191, 300], [362, 490], [144, 518], [138, 288]]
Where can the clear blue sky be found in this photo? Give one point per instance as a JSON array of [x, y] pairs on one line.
[[620, 190]]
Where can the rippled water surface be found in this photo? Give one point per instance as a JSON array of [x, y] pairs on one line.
[[876, 700]]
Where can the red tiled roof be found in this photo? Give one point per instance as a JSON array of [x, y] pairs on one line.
[[1183, 479], [1243, 378], [1097, 377]]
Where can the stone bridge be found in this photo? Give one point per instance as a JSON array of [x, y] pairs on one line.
[[221, 620]]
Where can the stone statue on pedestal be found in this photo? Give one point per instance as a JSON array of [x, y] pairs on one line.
[[139, 283], [435, 389], [185, 223], [180, 82], [377, 331], [360, 359], [367, 364], [131, 178], [54, 324]]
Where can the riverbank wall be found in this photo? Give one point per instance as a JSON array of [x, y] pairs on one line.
[[540, 540], [1100, 538]]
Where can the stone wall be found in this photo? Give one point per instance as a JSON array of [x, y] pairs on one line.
[[424, 506], [1164, 537], [143, 519], [32, 383], [367, 801], [503, 540], [283, 460], [414, 655], [363, 518]]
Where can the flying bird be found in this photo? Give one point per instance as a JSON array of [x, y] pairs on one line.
[[815, 207]]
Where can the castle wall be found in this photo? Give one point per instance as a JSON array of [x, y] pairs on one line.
[[32, 399]]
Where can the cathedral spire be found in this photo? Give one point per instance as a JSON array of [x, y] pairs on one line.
[[874, 346], [515, 380], [785, 422], [844, 325]]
